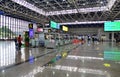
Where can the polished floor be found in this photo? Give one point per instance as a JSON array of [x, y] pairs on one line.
[[87, 60]]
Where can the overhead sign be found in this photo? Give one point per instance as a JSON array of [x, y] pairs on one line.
[[31, 33], [54, 25], [30, 26], [39, 29], [112, 26], [64, 28], [1, 12]]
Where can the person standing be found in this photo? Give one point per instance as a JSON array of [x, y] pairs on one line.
[[19, 42]]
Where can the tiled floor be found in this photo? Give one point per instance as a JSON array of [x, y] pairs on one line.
[[84, 61], [10, 56]]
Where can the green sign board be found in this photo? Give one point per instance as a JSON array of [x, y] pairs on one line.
[[111, 55], [112, 26], [54, 25]]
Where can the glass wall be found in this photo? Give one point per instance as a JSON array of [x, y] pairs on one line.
[[11, 27]]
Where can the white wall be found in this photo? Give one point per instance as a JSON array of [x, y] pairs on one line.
[[89, 31], [83, 30]]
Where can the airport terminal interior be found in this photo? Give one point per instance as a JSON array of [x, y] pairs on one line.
[[59, 38]]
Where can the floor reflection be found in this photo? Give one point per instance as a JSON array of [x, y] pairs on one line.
[[18, 58], [34, 72], [83, 61], [7, 53], [83, 57], [10, 56], [81, 70], [112, 55]]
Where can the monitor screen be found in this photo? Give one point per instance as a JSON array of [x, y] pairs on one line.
[[54, 25], [112, 26], [58, 26], [64, 28], [31, 33], [39, 29]]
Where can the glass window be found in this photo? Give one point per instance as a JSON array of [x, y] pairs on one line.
[[11, 27]]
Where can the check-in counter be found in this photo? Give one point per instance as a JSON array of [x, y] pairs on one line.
[[61, 42], [50, 44]]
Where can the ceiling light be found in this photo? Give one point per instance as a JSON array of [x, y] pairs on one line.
[[93, 9], [101, 2], [47, 2], [68, 5], [76, 21], [83, 3]]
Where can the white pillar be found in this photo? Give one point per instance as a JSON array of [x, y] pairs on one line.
[[112, 36], [99, 33]]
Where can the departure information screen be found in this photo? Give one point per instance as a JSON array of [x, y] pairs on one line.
[[64, 28], [54, 25], [112, 26], [31, 33]]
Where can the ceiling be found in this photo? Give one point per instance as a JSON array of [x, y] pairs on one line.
[[57, 5], [63, 11]]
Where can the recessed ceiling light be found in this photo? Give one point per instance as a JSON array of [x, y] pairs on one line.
[[47, 2], [101, 2], [68, 5], [83, 3]]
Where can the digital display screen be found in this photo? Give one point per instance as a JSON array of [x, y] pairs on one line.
[[64, 28], [112, 26], [39, 29], [31, 33], [54, 25], [58, 26], [30, 26]]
